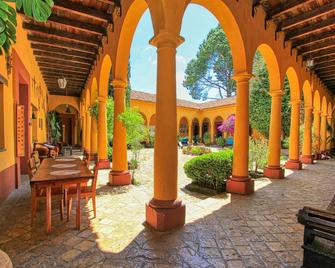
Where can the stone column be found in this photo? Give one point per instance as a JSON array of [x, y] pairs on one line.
[[119, 174], [83, 133], [200, 132], [94, 137], [240, 181], [316, 127], [88, 132], [102, 134], [307, 156], [190, 132], [165, 211], [294, 162], [273, 169], [328, 133], [323, 132]]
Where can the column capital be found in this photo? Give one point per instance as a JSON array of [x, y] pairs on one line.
[[102, 99], [324, 114], [242, 77], [295, 102], [329, 117], [316, 112], [308, 108], [276, 93], [166, 38], [119, 84]]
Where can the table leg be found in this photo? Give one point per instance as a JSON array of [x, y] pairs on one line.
[[48, 208], [78, 206]]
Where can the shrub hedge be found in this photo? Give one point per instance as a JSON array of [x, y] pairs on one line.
[[192, 150], [210, 170]]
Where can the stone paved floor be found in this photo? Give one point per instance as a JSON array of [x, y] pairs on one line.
[[226, 230]]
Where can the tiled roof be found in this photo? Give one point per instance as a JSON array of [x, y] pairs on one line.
[[143, 96]]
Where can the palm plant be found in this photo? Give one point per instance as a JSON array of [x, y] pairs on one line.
[[39, 10]]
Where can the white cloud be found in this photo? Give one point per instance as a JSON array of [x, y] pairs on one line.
[[147, 49], [181, 59]]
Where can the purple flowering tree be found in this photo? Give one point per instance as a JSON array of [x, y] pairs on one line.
[[228, 125]]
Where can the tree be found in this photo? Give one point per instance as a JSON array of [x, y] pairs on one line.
[[260, 100], [212, 69], [39, 10]]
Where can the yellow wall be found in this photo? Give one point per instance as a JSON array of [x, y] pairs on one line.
[[148, 109], [38, 96]]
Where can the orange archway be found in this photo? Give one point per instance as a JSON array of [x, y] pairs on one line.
[[183, 127]]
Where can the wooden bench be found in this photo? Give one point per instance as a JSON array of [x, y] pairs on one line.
[[319, 237]]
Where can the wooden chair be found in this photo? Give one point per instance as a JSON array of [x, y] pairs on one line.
[[87, 158], [36, 158], [38, 194], [86, 192]]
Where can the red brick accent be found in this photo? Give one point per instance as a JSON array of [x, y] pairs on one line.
[[104, 164], [237, 185], [119, 178], [273, 172], [166, 217], [7, 182], [293, 164], [307, 159]]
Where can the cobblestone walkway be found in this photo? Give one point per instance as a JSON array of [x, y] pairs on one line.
[[226, 230]]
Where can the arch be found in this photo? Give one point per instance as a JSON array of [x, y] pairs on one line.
[[94, 90], [217, 122], [130, 22], [230, 26], [206, 125], [330, 109], [104, 75], [144, 118], [195, 127], [317, 101], [324, 107], [183, 127], [56, 100], [271, 65], [152, 121], [61, 108], [294, 83], [307, 93]]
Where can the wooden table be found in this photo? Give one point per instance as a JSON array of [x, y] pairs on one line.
[[44, 179]]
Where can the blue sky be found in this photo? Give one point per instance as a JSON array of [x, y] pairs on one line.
[[196, 25]]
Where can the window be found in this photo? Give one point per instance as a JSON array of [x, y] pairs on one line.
[[2, 118]]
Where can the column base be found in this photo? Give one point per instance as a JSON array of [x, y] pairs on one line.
[[119, 178], [307, 159], [238, 185], [293, 164], [104, 164], [165, 215], [274, 172]]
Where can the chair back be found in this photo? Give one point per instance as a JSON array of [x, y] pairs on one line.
[[87, 159], [36, 157], [31, 167], [95, 179]]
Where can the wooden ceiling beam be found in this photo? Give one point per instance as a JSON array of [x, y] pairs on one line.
[[323, 60], [93, 40], [62, 67], [320, 54], [82, 10], [62, 62], [70, 85], [48, 56], [326, 72], [317, 47], [56, 75], [309, 29], [306, 16], [63, 71], [70, 52], [285, 7], [53, 77], [325, 65], [82, 26], [63, 44], [315, 38]]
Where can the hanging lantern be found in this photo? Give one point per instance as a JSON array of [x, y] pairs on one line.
[[62, 82], [68, 110], [310, 63]]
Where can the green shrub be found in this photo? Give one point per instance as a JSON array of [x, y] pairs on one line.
[[206, 138], [258, 153], [285, 144], [210, 170], [196, 150], [220, 141], [110, 153]]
